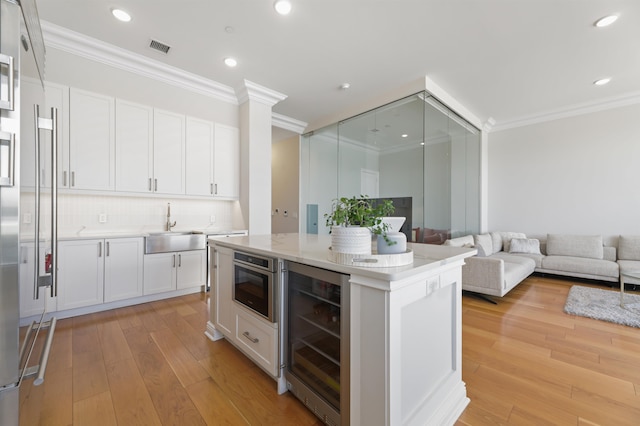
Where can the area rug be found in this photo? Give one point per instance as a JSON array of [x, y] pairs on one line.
[[603, 305]]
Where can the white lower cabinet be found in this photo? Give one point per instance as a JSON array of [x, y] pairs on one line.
[[224, 315], [258, 339], [171, 271], [123, 268], [96, 271], [80, 273]]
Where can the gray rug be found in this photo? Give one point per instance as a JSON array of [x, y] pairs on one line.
[[603, 305]]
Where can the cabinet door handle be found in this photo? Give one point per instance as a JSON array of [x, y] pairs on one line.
[[174, 260], [248, 336], [211, 189], [100, 249], [64, 178], [150, 188], [216, 191], [155, 184], [107, 248], [73, 178], [179, 261]]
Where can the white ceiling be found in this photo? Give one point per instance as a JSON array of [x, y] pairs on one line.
[[505, 59]]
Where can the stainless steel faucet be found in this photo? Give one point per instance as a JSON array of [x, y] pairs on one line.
[[169, 224]]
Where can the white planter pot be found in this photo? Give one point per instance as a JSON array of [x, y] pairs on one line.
[[352, 240]]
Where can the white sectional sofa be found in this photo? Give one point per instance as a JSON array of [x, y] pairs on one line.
[[504, 259]]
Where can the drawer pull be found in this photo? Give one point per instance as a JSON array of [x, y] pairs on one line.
[[248, 336]]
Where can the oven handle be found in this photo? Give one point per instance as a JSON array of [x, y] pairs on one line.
[[253, 268]]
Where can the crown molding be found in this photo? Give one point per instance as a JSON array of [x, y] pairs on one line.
[[288, 123], [250, 91], [571, 111], [81, 45]]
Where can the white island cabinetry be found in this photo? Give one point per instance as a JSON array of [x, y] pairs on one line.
[[405, 344]]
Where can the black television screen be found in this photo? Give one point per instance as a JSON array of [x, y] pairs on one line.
[[403, 208]]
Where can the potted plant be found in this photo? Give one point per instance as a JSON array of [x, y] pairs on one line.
[[352, 220]]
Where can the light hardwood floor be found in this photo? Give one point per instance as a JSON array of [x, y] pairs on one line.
[[524, 362]]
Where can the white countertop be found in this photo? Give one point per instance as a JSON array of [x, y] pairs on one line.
[[313, 249]]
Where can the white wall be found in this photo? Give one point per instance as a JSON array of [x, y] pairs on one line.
[[573, 175], [285, 185]]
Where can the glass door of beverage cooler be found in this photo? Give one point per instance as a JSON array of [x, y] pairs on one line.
[[318, 339]]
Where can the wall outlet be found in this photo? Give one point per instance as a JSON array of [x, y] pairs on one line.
[[102, 218], [212, 218]]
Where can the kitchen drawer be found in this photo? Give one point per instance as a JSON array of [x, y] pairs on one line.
[[258, 340]]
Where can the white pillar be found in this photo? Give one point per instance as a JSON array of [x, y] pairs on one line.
[[255, 155]]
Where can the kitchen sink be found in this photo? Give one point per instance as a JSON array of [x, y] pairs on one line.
[[169, 241]]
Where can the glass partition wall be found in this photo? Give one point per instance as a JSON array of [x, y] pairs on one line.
[[415, 151]]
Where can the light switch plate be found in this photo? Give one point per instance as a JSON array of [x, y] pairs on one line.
[[102, 218]]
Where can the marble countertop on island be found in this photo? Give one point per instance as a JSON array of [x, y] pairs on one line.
[[312, 249]]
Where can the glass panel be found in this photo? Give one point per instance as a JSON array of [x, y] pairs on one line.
[[319, 177], [415, 151]]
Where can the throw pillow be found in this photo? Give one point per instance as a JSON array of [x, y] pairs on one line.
[[507, 237], [524, 245], [483, 245]]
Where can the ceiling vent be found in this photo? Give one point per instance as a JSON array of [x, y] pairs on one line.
[[160, 47]]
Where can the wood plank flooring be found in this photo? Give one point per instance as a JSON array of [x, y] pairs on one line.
[[525, 362]]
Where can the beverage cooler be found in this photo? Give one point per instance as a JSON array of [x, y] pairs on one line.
[[317, 340]]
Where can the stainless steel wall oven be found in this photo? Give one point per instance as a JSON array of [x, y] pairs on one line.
[[254, 283]]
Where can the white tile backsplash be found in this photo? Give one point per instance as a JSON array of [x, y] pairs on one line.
[[78, 214]]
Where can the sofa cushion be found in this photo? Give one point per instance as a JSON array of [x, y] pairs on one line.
[[525, 245], [465, 241], [580, 265], [483, 244], [629, 247], [587, 246]]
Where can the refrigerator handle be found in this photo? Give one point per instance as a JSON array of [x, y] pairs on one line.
[[8, 103], [54, 201], [50, 279]]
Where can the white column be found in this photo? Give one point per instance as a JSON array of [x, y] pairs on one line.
[[255, 155]]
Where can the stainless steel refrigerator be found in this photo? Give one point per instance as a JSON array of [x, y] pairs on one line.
[[22, 52]]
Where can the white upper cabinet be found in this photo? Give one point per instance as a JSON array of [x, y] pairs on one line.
[[226, 170], [134, 147], [199, 157], [168, 152], [91, 141]]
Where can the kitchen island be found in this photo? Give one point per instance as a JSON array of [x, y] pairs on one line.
[[404, 332]]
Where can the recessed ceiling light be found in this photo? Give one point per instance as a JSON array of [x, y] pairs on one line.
[[422, 143], [283, 7], [404, 135], [230, 62], [345, 86], [602, 81], [121, 15], [606, 21]]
